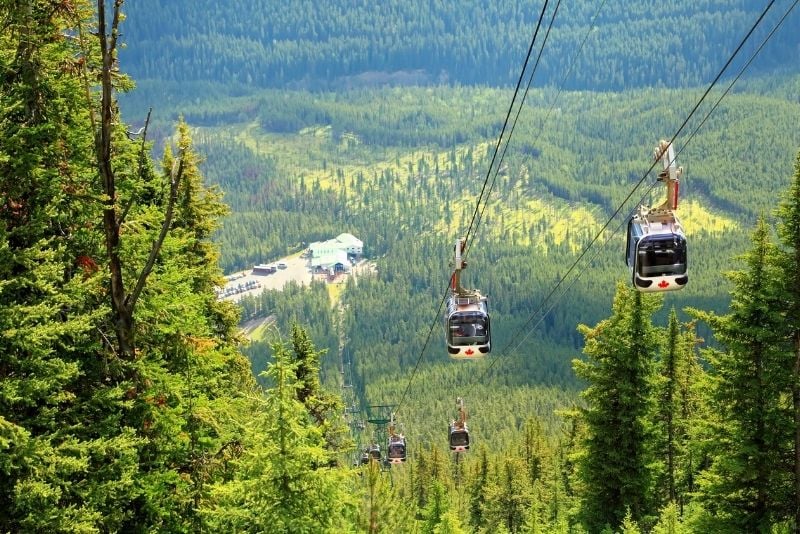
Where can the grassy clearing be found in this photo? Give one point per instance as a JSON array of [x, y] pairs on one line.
[[698, 219], [261, 332], [335, 293], [333, 162]]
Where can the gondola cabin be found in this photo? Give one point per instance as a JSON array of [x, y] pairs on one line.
[[468, 329], [365, 458], [656, 252], [374, 452], [459, 437], [396, 450]]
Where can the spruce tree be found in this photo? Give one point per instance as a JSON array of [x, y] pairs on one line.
[[616, 461], [669, 521], [100, 432], [66, 464], [477, 490], [276, 486], [326, 408], [508, 496], [436, 508], [789, 234], [384, 507], [675, 406], [747, 488]]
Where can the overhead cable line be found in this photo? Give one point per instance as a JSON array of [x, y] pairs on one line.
[[477, 206], [503, 130], [516, 118], [541, 309], [619, 209]]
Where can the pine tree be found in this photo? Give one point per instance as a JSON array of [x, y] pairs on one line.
[[436, 508], [450, 524], [101, 431], [535, 451], [691, 409], [65, 463], [508, 496], [384, 508], [667, 398], [477, 498], [746, 488], [567, 485], [430, 466], [191, 384], [276, 487], [676, 404], [629, 526], [669, 521], [616, 462], [789, 233], [326, 408]]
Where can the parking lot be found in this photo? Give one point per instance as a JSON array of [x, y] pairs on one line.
[[297, 270]]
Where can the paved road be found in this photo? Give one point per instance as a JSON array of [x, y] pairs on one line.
[[297, 270]]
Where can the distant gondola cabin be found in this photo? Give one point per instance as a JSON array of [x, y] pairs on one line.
[[459, 437], [374, 451], [396, 450]]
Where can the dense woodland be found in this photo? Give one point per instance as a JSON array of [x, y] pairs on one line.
[[130, 402], [302, 44]]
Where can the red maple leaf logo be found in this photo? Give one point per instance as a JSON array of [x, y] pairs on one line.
[[469, 352], [662, 284]]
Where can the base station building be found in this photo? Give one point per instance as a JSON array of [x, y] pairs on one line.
[[336, 255]]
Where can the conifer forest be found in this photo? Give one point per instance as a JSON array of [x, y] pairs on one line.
[[504, 165]]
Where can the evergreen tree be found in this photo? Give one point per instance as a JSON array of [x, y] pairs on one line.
[[508, 496], [431, 466], [669, 521], [450, 524], [65, 461], [276, 487], [676, 404], [537, 521], [191, 384], [616, 462], [436, 508], [477, 490], [384, 509], [568, 485], [535, 451], [789, 233], [629, 526], [667, 401], [747, 488], [103, 427], [326, 408]]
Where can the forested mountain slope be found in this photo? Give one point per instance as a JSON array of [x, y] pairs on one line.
[[349, 162], [338, 44], [126, 404], [401, 168]]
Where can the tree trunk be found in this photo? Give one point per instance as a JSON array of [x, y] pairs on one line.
[[123, 319]]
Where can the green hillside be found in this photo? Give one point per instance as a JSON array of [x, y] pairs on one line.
[[568, 167]]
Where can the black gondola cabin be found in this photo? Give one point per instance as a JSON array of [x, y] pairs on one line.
[[396, 450], [459, 437]]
